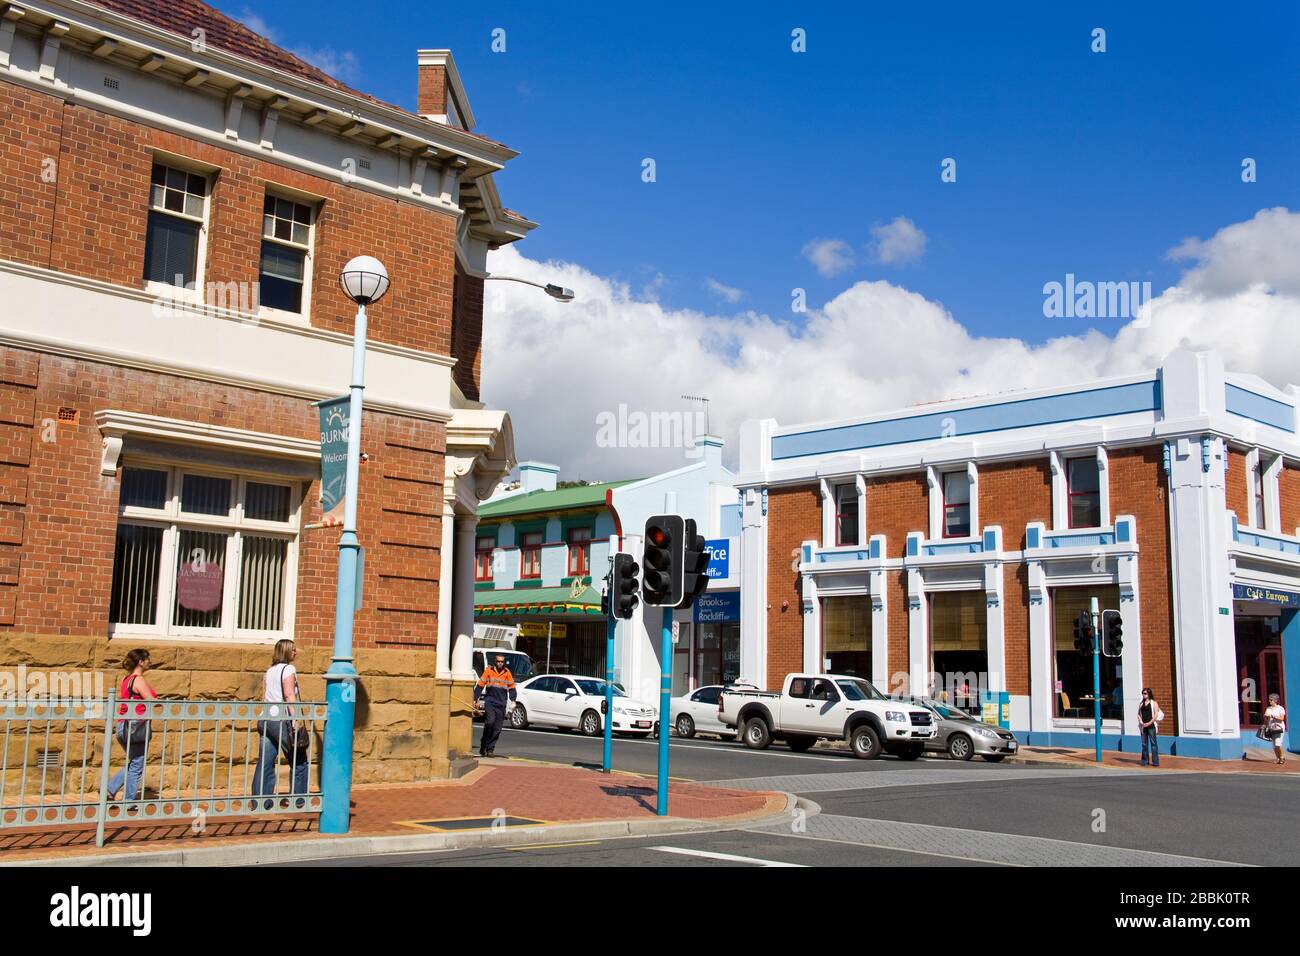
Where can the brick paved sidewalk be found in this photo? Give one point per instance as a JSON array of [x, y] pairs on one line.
[[544, 793], [1260, 761]]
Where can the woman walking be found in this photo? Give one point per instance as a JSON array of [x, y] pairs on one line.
[[1274, 726], [1149, 714], [280, 688], [132, 730]]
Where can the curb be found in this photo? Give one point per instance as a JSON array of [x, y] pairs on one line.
[[333, 848]]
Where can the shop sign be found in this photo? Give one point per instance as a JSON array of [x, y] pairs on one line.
[[1252, 592], [199, 583], [719, 550], [539, 629], [717, 607]]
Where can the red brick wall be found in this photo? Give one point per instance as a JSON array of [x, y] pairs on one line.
[[431, 91], [1139, 487], [1015, 626], [1288, 492], [1235, 487], [793, 516], [896, 613], [58, 514], [895, 506], [92, 222], [467, 332], [1012, 494]]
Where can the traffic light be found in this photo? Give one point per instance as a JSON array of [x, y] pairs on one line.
[[1112, 634], [1083, 633], [665, 540], [624, 586], [695, 561]]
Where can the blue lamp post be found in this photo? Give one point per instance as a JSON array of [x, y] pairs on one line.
[[364, 280]]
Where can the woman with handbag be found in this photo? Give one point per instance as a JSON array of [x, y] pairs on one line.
[[1149, 717], [1274, 726], [132, 731], [287, 737]]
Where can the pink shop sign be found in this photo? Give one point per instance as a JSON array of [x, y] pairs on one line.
[[198, 585]]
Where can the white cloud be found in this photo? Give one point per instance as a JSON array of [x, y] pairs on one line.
[[829, 257], [343, 65], [874, 346], [725, 292], [898, 243]]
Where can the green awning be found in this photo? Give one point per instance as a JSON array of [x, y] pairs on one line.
[[558, 600]]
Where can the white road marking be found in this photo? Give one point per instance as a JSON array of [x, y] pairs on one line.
[[725, 857]]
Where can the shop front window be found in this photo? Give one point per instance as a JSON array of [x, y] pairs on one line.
[[1259, 664], [846, 634], [717, 653], [959, 657], [1073, 687]]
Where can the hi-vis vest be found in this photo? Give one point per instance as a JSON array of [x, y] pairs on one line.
[[496, 685]]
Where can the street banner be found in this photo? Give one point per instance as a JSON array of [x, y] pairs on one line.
[[333, 459]]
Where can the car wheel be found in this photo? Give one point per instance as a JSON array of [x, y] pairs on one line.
[[865, 742], [589, 724], [993, 758], [518, 717], [685, 726], [911, 752], [800, 744], [960, 747], [757, 734]]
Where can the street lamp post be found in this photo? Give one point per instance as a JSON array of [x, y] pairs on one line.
[[364, 280], [557, 292]]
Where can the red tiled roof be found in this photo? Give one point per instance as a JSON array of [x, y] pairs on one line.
[[226, 33]]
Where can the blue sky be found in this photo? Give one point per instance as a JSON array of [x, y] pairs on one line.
[[1067, 160]]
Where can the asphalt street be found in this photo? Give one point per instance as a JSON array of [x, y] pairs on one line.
[[934, 811]]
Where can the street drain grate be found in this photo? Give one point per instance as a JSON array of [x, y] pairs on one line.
[[477, 823]]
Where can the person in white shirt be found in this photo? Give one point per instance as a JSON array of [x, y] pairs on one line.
[[280, 687], [1275, 725]]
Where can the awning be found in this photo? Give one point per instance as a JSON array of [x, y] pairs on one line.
[[560, 600]]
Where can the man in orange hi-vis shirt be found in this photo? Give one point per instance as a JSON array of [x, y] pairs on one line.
[[498, 685]]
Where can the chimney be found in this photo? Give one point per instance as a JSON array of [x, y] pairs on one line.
[[537, 476], [711, 447], [439, 93]]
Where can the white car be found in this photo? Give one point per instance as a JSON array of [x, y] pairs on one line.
[[563, 700], [697, 712]]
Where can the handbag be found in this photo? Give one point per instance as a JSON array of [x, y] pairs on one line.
[[295, 739]]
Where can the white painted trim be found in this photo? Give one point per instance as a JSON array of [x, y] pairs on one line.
[[118, 424]]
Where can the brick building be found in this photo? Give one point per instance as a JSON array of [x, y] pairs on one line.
[[953, 546], [177, 198]]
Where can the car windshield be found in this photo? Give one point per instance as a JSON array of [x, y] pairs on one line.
[[859, 689], [596, 688], [948, 713]]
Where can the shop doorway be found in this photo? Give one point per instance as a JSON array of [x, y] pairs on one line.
[[959, 648], [1260, 667]]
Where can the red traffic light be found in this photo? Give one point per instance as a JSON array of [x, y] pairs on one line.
[[657, 536]]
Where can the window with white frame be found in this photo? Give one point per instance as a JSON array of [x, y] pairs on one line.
[[956, 504], [177, 206], [1257, 491], [1083, 492], [204, 553], [286, 254], [846, 514]]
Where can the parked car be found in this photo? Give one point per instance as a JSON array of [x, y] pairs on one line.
[[828, 706], [697, 712], [963, 736], [565, 701]]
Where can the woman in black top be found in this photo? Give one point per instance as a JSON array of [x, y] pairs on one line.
[[1148, 713]]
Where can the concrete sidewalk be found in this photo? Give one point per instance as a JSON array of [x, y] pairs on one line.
[[502, 802], [1260, 762]]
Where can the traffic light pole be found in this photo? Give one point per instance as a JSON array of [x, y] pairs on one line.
[[608, 748], [1096, 674], [665, 707]]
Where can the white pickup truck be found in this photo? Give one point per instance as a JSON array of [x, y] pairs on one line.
[[828, 706]]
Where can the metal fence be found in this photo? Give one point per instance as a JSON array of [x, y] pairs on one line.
[[167, 760]]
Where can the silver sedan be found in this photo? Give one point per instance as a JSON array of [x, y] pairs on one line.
[[962, 736]]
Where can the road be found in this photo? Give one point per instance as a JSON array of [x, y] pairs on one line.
[[934, 811]]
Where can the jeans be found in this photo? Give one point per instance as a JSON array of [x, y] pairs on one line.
[[1150, 745], [264, 778], [494, 715], [132, 772]]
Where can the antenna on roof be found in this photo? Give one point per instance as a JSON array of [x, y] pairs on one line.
[[704, 399]]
